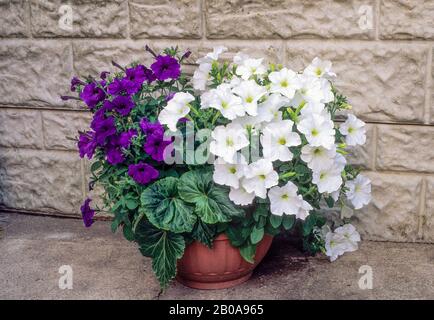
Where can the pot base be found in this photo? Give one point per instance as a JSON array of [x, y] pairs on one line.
[[213, 285]]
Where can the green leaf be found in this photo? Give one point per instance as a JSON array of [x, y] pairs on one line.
[[164, 247], [260, 211], [95, 166], [248, 251], [275, 220], [288, 221], [131, 204], [236, 235], [128, 232], [330, 201], [204, 233], [164, 208], [256, 235], [212, 203]]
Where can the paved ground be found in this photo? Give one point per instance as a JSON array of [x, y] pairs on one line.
[[105, 266]]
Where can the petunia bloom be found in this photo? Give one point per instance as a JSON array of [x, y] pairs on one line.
[[114, 155], [142, 173], [151, 128], [155, 146], [87, 213], [86, 144], [92, 95], [123, 105], [104, 128], [166, 67], [125, 138]]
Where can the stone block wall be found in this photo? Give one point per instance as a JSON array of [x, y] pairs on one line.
[[381, 50]]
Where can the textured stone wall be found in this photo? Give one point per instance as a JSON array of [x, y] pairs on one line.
[[381, 50]]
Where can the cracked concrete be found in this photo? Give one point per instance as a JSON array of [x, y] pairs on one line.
[[106, 266]]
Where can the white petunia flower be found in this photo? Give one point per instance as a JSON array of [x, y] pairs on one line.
[[268, 111], [201, 76], [319, 68], [240, 57], [177, 108], [285, 200], [326, 88], [359, 191], [277, 138], [284, 82], [351, 236], [354, 131], [310, 88], [212, 56], [250, 93], [335, 245], [327, 179], [249, 123], [313, 108], [250, 67], [241, 197], [259, 176], [340, 162], [318, 130], [318, 158], [227, 141], [229, 174], [225, 101]]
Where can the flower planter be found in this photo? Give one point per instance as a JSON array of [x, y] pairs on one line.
[[220, 267]]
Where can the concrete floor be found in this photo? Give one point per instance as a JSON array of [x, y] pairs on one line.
[[105, 266]]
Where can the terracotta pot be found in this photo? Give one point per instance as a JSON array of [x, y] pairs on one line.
[[220, 267]]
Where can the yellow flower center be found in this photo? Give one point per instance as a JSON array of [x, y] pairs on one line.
[[318, 71], [285, 196], [249, 99], [282, 141], [284, 84], [224, 104], [233, 170], [229, 142], [314, 132], [262, 176]]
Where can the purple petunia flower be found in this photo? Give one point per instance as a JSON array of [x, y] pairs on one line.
[[86, 144], [125, 138], [123, 105], [104, 128], [155, 146], [117, 87], [92, 95], [114, 155], [75, 82], [87, 213], [150, 128], [166, 67], [142, 173], [134, 78], [170, 96]]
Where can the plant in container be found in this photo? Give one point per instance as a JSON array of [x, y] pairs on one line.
[[201, 172]]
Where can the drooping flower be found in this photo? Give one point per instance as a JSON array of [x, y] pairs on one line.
[[166, 67], [269, 110], [227, 141], [277, 138], [229, 174], [156, 145], [213, 55], [317, 158], [125, 138], [335, 245], [92, 95], [87, 213], [201, 76], [318, 130], [151, 128], [319, 68], [250, 93], [142, 173], [349, 232], [75, 81], [260, 176], [86, 144], [285, 200], [354, 131], [240, 196], [250, 67], [225, 101], [284, 81], [177, 108], [359, 191], [103, 128], [123, 105], [327, 179]]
